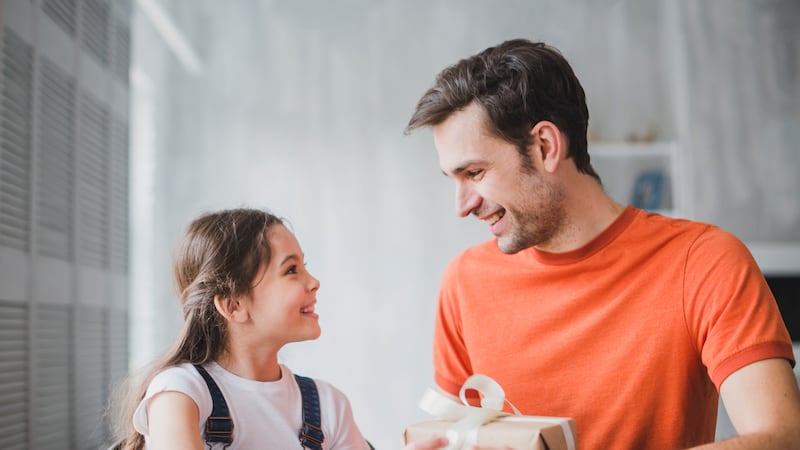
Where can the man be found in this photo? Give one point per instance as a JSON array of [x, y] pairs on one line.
[[632, 323]]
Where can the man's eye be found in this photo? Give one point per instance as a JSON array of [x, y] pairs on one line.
[[291, 270], [474, 173]]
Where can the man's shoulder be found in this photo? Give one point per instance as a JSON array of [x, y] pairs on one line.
[[483, 258], [478, 252], [655, 225], [696, 228], [485, 248], [687, 236]]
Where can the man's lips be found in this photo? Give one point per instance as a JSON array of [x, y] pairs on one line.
[[496, 221], [495, 217]]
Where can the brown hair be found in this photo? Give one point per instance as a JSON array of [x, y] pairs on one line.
[[219, 255], [518, 83]]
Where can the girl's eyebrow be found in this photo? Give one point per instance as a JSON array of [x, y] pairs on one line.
[[290, 257]]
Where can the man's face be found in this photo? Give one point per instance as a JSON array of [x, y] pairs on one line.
[[522, 207]]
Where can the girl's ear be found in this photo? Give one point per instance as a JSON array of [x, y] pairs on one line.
[[230, 308]]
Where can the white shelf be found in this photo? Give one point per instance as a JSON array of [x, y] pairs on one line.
[[619, 164], [621, 149], [776, 258]]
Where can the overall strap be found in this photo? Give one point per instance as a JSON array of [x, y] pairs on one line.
[[219, 425], [311, 435]]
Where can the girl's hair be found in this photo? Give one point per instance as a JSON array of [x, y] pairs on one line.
[[219, 255]]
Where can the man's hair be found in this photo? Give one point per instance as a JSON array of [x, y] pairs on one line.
[[518, 84]]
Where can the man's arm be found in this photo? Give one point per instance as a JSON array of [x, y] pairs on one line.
[[763, 402]]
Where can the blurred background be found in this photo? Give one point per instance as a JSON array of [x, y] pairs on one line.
[[122, 120]]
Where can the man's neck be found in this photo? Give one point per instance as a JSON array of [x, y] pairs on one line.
[[589, 211]]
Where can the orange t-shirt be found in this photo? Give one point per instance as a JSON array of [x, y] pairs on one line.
[[631, 335]]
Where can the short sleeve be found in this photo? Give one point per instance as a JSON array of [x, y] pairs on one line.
[[183, 378], [730, 310]]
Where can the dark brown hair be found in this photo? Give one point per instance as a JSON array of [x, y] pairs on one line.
[[219, 255], [518, 83]]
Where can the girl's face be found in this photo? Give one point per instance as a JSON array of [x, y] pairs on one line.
[[282, 302]]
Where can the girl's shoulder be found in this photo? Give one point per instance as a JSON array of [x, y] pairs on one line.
[[327, 389], [337, 417], [182, 378], [179, 375], [330, 395]]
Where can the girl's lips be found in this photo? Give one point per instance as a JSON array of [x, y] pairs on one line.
[[308, 309], [309, 313]]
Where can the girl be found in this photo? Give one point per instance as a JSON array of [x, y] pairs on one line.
[[245, 293]]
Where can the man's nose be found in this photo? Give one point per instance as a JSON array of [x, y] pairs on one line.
[[467, 199]]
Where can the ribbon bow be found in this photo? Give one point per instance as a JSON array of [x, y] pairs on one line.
[[468, 419]]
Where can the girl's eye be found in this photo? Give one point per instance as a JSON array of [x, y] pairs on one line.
[[291, 270]]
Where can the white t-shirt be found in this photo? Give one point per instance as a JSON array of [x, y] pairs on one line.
[[266, 414]]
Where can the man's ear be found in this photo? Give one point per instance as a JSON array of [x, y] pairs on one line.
[[230, 308], [550, 143]]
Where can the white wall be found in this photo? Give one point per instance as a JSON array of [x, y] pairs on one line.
[[299, 107]]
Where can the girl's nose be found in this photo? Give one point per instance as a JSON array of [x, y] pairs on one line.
[[313, 283]]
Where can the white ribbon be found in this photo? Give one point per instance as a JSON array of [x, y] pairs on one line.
[[464, 432]]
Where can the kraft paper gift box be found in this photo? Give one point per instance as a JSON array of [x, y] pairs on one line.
[[517, 432], [464, 425]]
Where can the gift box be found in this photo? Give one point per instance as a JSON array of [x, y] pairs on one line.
[[517, 432], [465, 425]]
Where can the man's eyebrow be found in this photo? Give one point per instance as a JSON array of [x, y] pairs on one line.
[[460, 169]]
